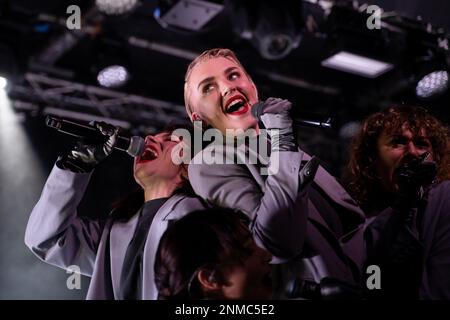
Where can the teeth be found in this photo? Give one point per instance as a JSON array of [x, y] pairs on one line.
[[235, 105], [235, 102], [153, 153]]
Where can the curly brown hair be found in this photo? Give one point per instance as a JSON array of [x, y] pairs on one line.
[[364, 183]]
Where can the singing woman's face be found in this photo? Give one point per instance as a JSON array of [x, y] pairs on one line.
[[221, 94], [156, 163]]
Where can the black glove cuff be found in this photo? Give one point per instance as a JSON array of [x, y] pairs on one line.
[[67, 163]]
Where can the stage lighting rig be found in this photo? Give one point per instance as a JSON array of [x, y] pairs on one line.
[[113, 76], [433, 84], [273, 28], [116, 7], [186, 15]]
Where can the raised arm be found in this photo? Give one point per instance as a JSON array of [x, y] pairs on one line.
[[277, 205], [55, 233]]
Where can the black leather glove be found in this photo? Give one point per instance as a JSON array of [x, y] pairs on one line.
[[84, 157], [412, 178], [274, 114]]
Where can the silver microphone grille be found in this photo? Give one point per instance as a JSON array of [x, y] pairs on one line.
[[137, 146]]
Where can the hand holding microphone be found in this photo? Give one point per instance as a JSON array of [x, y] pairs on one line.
[[412, 177], [327, 289], [104, 138], [274, 114], [84, 157]]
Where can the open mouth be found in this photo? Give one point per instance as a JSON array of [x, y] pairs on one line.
[[148, 155], [237, 105]]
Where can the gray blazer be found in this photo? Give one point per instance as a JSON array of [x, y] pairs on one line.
[[59, 237], [285, 221]]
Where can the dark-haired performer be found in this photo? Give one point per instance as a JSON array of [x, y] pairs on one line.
[[211, 254], [119, 252], [400, 167]]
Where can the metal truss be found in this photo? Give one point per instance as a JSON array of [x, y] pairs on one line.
[[84, 102], [42, 95]]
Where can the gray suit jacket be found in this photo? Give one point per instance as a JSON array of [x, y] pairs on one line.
[[59, 237], [285, 221]]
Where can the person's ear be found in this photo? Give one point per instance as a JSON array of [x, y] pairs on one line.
[[208, 281]]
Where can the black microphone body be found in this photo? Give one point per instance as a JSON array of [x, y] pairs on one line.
[[134, 146], [327, 289], [257, 109]]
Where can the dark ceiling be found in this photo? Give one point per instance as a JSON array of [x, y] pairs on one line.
[[39, 53]]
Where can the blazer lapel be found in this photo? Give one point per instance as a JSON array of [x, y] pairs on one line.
[[121, 235], [334, 190], [99, 289], [157, 228]]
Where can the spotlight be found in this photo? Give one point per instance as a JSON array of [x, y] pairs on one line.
[[273, 29], [192, 15], [115, 7], [349, 129], [113, 76], [274, 46], [3, 83], [432, 84]]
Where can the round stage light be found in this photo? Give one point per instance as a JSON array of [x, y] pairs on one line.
[[113, 76], [115, 7], [432, 84]]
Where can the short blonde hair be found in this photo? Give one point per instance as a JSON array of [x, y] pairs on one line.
[[206, 55]]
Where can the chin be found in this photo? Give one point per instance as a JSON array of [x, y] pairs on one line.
[[248, 123]]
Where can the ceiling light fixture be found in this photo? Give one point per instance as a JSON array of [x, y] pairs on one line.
[[356, 64]]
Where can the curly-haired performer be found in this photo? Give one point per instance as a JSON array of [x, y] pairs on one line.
[[399, 172], [117, 252]]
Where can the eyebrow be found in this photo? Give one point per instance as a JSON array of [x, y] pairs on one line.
[[414, 136], [206, 80]]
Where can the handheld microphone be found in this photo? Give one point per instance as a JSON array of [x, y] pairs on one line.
[[134, 146], [327, 289], [257, 109]]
